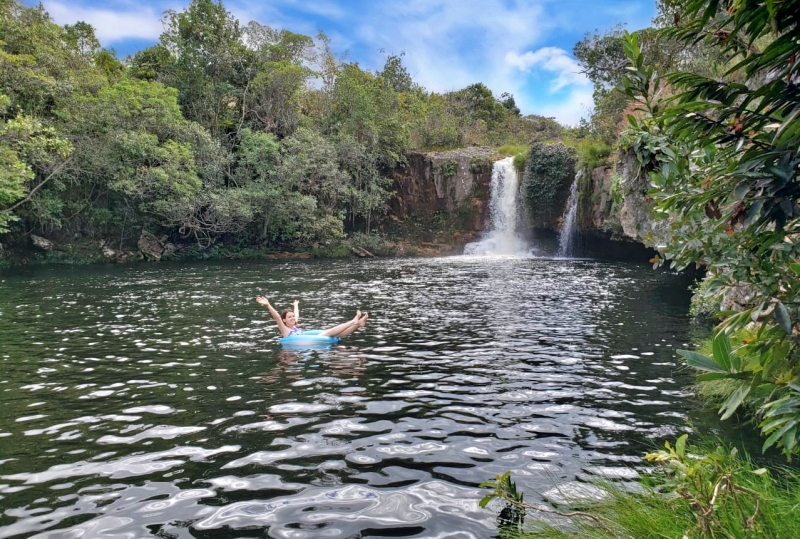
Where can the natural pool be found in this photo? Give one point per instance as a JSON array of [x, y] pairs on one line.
[[155, 400]]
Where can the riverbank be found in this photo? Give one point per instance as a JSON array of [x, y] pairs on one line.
[[404, 241], [705, 491], [711, 489]]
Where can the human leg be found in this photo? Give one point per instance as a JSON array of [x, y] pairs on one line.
[[359, 322], [343, 330]]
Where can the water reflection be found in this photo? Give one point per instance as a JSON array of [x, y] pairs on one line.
[[156, 401]]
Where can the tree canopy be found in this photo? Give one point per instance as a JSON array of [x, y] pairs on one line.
[[222, 131]]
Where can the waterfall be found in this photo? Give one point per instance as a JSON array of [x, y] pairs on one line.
[[502, 239], [568, 222]]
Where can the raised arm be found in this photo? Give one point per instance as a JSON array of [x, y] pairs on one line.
[[261, 300], [296, 305]]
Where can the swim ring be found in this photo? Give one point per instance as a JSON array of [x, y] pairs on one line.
[[307, 339]]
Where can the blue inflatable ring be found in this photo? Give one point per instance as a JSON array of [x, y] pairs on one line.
[[307, 339]]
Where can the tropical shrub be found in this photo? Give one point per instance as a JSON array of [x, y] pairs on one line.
[[726, 177], [548, 169]]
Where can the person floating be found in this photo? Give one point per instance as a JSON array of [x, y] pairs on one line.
[[287, 321]]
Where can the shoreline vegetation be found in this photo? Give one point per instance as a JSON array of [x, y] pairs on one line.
[[701, 491], [232, 140], [424, 242]]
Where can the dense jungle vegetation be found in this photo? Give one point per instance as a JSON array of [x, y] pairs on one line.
[[720, 141], [221, 133]]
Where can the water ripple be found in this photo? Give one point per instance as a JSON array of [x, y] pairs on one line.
[[156, 400]]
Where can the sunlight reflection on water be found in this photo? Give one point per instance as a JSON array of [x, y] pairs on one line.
[[150, 400]]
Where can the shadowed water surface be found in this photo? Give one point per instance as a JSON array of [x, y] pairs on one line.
[[156, 401]]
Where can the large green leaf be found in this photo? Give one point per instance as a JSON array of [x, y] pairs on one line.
[[709, 376], [783, 317], [722, 351], [778, 434], [680, 445], [699, 361], [734, 401]]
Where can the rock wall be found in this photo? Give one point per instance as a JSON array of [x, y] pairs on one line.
[[629, 217], [445, 182]]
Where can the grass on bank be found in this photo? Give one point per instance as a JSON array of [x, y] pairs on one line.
[[700, 492]]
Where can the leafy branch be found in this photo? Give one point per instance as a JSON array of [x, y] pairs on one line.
[[505, 489], [707, 483]]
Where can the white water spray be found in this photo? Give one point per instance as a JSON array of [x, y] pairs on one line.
[[568, 222], [502, 239]]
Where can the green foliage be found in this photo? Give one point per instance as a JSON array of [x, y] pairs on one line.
[[447, 168], [479, 165], [713, 485], [395, 75], [549, 167], [603, 60], [615, 192], [218, 134], [520, 161], [592, 153], [723, 166], [703, 303], [134, 143], [26, 147], [704, 492], [507, 150], [503, 488]]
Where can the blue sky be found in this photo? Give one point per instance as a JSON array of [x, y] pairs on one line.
[[523, 47]]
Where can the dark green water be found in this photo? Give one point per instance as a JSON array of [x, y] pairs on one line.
[[156, 401]]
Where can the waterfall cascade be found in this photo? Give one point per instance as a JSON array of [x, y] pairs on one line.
[[502, 239], [565, 238]]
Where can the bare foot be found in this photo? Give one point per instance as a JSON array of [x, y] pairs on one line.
[[363, 320]]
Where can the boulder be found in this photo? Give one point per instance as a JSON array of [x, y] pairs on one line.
[[575, 494], [41, 243], [361, 252], [150, 246], [107, 251]]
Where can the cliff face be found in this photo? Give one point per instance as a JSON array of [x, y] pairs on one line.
[[456, 184], [453, 183], [614, 203]]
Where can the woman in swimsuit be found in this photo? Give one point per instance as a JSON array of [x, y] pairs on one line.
[[287, 321]]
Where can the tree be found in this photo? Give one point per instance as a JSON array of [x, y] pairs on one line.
[[395, 75], [31, 154], [133, 148], [725, 170], [273, 93], [210, 65], [507, 100], [308, 169]]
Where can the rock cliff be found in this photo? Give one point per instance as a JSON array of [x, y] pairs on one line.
[[614, 204], [451, 183]]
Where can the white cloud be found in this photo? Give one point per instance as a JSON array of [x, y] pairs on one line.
[[450, 44], [578, 105], [110, 25], [550, 59]]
